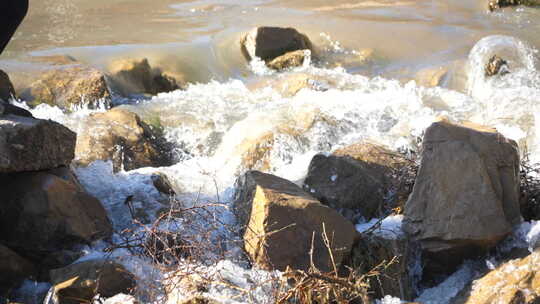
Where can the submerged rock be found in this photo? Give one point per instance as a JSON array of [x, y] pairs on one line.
[[513, 282], [41, 214], [431, 77], [69, 87], [132, 76], [28, 144], [81, 282], [496, 66], [268, 43], [357, 177], [280, 220], [290, 60], [120, 136], [13, 269], [6, 87], [466, 196], [290, 84]]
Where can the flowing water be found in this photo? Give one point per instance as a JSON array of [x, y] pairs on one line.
[[372, 55]]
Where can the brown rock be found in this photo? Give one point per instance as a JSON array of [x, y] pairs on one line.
[[120, 136], [14, 269], [41, 214], [357, 178], [289, 85], [200, 300], [289, 60], [431, 77], [131, 76], [69, 87], [28, 144], [513, 282], [466, 195], [6, 87], [496, 66], [371, 251], [280, 221], [82, 281], [269, 43]]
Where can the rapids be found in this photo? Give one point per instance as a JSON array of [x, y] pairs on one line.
[[222, 109]]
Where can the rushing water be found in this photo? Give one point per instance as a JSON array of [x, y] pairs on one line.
[[225, 109]]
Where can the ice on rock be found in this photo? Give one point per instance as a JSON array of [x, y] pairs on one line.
[[389, 228]]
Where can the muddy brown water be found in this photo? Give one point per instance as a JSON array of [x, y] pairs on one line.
[[200, 38]]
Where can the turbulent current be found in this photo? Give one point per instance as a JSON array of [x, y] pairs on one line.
[[229, 104]]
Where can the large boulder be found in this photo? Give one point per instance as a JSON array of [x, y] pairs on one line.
[[120, 136], [42, 213], [466, 196], [268, 43], [81, 282], [132, 76], [280, 220], [28, 144], [513, 282], [13, 269], [6, 87], [355, 178], [69, 87]]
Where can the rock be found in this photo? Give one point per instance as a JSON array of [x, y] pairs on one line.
[[290, 84], [14, 110], [120, 136], [268, 43], [280, 221], [82, 281], [290, 60], [355, 178], [466, 196], [6, 87], [162, 183], [496, 66], [513, 282], [131, 76], [371, 251], [497, 4], [41, 214], [431, 77], [13, 269], [69, 88], [28, 144]]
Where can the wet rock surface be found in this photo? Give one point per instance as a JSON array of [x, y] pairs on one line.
[[121, 136], [268, 43], [69, 87], [28, 144], [278, 214], [132, 76], [466, 196], [497, 4], [290, 60], [496, 66]]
